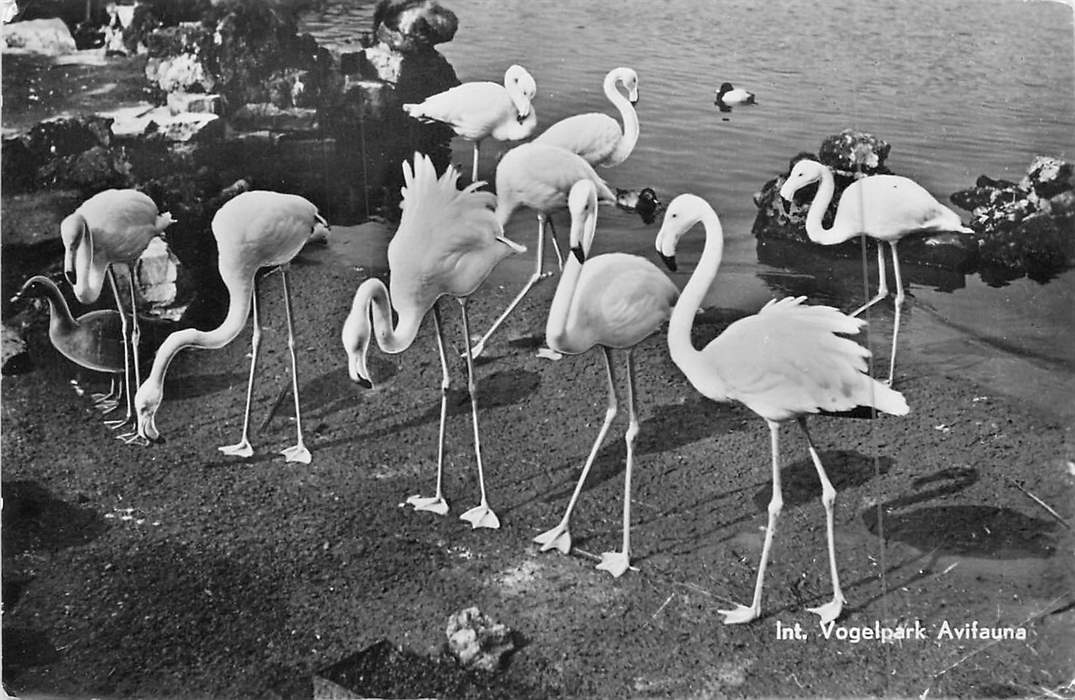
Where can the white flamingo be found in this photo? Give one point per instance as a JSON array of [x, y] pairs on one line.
[[253, 230], [783, 363], [480, 110], [598, 137], [608, 301], [112, 227], [538, 176], [883, 207], [447, 243]]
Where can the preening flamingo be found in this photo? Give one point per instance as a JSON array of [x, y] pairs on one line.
[[729, 96], [94, 340], [538, 176], [598, 137], [253, 230], [112, 227], [608, 301], [447, 243], [883, 207], [479, 110], [784, 363]]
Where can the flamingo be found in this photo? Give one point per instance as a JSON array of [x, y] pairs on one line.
[[447, 243], [608, 301], [883, 207], [783, 363], [595, 136], [481, 109], [253, 230], [728, 96], [94, 340], [112, 227], [538, 176]]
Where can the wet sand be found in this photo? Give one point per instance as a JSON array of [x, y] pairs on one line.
[[234, 578]]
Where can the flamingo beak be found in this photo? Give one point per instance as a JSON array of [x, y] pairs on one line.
[[669, 261], [579, 255]]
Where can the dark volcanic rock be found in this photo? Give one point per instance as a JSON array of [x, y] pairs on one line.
[[1026, 228], [413, 25]]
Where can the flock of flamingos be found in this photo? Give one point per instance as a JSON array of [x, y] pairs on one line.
[[784, 363]]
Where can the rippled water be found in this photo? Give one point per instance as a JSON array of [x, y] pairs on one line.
[[958, 87]]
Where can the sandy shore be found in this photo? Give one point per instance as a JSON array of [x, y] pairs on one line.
[[237, 578]]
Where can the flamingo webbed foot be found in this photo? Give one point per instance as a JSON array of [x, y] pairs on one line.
[[549, 354], [830, 611], [297, 453], [242, 448], [616, 563], [106, 405], [134, 438], [740, 614], [117, 424], [475, 350], [558, 538], [481, 516], [433, 504]]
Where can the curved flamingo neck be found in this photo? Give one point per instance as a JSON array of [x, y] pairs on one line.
[[815, 227], [373, 297], [556, 326], [680, 347], [627, 142], [239, 288]]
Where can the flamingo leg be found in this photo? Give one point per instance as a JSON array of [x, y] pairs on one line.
[[136, 339], [882, 284], [298, 451], [243, 448], [125, 331], [555, 244], [741, 613], [474, 169], [899, 306], [481, 515], [559, 537], [831, 610], [478, 348], [437, 504], [106, 403], [617, 563]]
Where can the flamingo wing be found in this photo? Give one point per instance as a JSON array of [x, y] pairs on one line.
[[791, 359], [471, 109], [889, 207], [592, 136]]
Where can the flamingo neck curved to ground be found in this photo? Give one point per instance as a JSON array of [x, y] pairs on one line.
[[253, 230], [447, 243]]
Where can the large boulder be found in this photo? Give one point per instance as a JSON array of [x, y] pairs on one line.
[[50, 37], [65, 152], [1024, 228], [409, 26]]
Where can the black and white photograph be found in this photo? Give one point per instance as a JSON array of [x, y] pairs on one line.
[[512, 349]]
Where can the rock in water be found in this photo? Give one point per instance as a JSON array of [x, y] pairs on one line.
[[477, 641]]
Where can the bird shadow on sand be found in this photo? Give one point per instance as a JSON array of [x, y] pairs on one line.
[[800, 484], [494, 391], [192, 386], [961, 529], [673, 426]]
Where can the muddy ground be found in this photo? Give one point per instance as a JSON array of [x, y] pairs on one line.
[[173, 570]]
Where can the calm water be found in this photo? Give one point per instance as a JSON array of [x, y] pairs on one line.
[[958, 87]]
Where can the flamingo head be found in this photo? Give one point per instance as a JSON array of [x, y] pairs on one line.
[[77, 247], [521, 89], [682, 214], [146, 402], [582, 203], [804, 172], [356, 339], [629, 79]]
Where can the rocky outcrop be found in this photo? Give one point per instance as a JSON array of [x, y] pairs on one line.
[[1025, 228], [50, 37]]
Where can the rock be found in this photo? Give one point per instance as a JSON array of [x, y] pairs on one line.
[[120, 18], [261, 116], [64, 152], [410, 26], [1047, 177], [477, 641], [188, 126], [201, 103], [45, 36], [11, 345], [157, 271], [852, 152], [1026, 228]]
